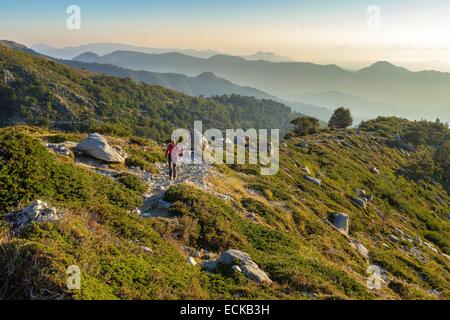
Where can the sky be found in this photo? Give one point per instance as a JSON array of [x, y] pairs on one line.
[[353, 34]]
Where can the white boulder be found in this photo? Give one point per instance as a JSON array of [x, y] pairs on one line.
[[97, 147], [38, 211], [240, 262], [192, 261]]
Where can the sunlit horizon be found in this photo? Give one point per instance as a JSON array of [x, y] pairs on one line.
[[411, 34]]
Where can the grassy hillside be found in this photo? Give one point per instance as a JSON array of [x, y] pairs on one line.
[[39, 91], [289, 235]]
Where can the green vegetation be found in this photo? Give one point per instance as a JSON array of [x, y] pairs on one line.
[[306, 125], [341, 119], [54, 95], [289, 237], [430, 140]]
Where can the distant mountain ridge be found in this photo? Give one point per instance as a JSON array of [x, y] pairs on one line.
[[106, 48], [102, 49], [267, 56], [413, 94]]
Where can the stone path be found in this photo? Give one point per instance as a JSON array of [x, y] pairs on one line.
[[154, 206]]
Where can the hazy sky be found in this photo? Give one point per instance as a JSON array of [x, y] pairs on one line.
[[413, 33]]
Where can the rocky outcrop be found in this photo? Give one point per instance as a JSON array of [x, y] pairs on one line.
[[239, 260], [340, 221], [8, 77], [38, 211], [59, 148], [97, 147]]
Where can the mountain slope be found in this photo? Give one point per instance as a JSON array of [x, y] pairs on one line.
[[38, 90], [281, 221], [416, 94], [206, 84]]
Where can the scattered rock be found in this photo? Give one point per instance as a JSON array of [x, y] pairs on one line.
[[417, 253], [374, 170], [418, 240], [161, 204], [360, 202], [361, 192], [58, 148], [399, 232], [314, 180], [192, 261], [137, 211], [38, 211], [242, 260], [147, 249], [210, 265], [236, 268], [362, 250], [97, 147], [394, 238], [431, 247], [306, 169], [251, 215], [434, 292], [446, 256], [303, 144], [340, 221]]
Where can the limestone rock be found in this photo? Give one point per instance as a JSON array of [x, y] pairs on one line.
[[242, 260], [340, 221], [394, 238], [192, 261], [360, 202], [210, 265], [303, 144], [97, 147], [314, 180], [375, 170], [38, 211], [362, 250]]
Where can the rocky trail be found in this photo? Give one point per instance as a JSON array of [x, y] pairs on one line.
[[153, 205]]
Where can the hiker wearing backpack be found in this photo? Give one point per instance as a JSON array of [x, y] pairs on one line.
[[174, 152]]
